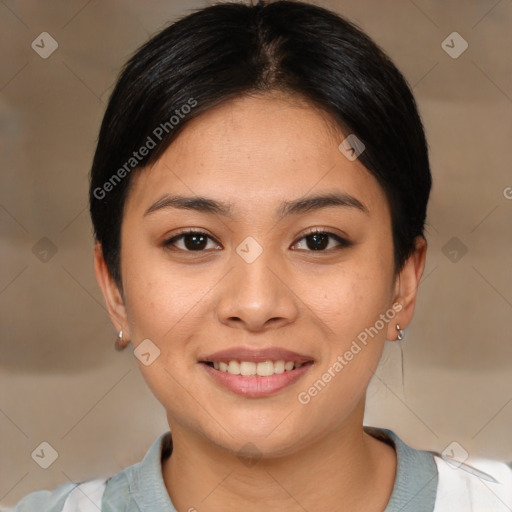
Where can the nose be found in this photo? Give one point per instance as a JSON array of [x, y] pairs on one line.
[[256, 296]]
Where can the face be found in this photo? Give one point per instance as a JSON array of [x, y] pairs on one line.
[[258, 272]]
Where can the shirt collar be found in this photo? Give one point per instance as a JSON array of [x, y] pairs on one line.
[[415, 484], [416, 478], [147, 485]]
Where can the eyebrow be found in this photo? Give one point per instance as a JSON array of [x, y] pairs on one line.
[[286, 208]]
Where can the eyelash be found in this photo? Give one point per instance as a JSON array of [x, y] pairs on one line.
[[342, 242]]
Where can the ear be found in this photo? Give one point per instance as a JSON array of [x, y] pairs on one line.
[[406, 287], [111, 293]]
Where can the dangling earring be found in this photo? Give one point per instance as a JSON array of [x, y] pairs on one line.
[[119, 344], [400, 337]]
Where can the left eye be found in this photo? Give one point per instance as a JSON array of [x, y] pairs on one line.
[[320, 241]]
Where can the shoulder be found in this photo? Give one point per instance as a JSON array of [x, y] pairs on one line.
[[44, 500], [110, 493], [69, 497], [428, 480], [477, 484], [88, 496]]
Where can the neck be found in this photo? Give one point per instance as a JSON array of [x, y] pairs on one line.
[[345, 466]]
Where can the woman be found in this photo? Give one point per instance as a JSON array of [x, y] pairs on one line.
[[258, 196]]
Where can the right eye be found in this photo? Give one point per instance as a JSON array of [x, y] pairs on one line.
[[191, 241]]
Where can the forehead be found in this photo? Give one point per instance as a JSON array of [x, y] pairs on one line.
[[254, 151]]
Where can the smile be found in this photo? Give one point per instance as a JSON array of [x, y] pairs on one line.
[[255, 380]]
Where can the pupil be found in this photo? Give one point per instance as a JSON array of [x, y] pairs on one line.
[[319, 241], [198, 242]]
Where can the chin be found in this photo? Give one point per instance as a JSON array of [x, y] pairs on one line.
[[267, 441]]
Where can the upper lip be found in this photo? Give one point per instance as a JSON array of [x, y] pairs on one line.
[[256, 355]]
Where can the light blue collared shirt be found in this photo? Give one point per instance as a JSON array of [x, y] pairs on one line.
[[141, 488]]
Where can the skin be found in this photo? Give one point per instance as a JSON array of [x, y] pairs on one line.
[[255, 152]]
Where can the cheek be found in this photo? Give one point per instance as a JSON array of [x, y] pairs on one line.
[[157, 294], [168, 304], [350, 300], [160, 307], [163, 303], [350, 304]]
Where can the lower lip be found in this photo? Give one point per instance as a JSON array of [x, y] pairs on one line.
[[254, 386]]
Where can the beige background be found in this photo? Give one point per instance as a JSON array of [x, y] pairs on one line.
[[61, 380]]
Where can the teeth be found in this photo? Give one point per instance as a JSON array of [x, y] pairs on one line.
[[279, 366], [250, 368], [265, 368], [234, 367], [247, 368]]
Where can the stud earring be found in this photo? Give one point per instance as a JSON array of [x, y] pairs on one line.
[[120, 344], [401, 334]]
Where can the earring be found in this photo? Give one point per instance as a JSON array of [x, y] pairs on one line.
[[400, 337], [120, 344]]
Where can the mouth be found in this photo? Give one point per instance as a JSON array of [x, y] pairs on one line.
[[256, 373]]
